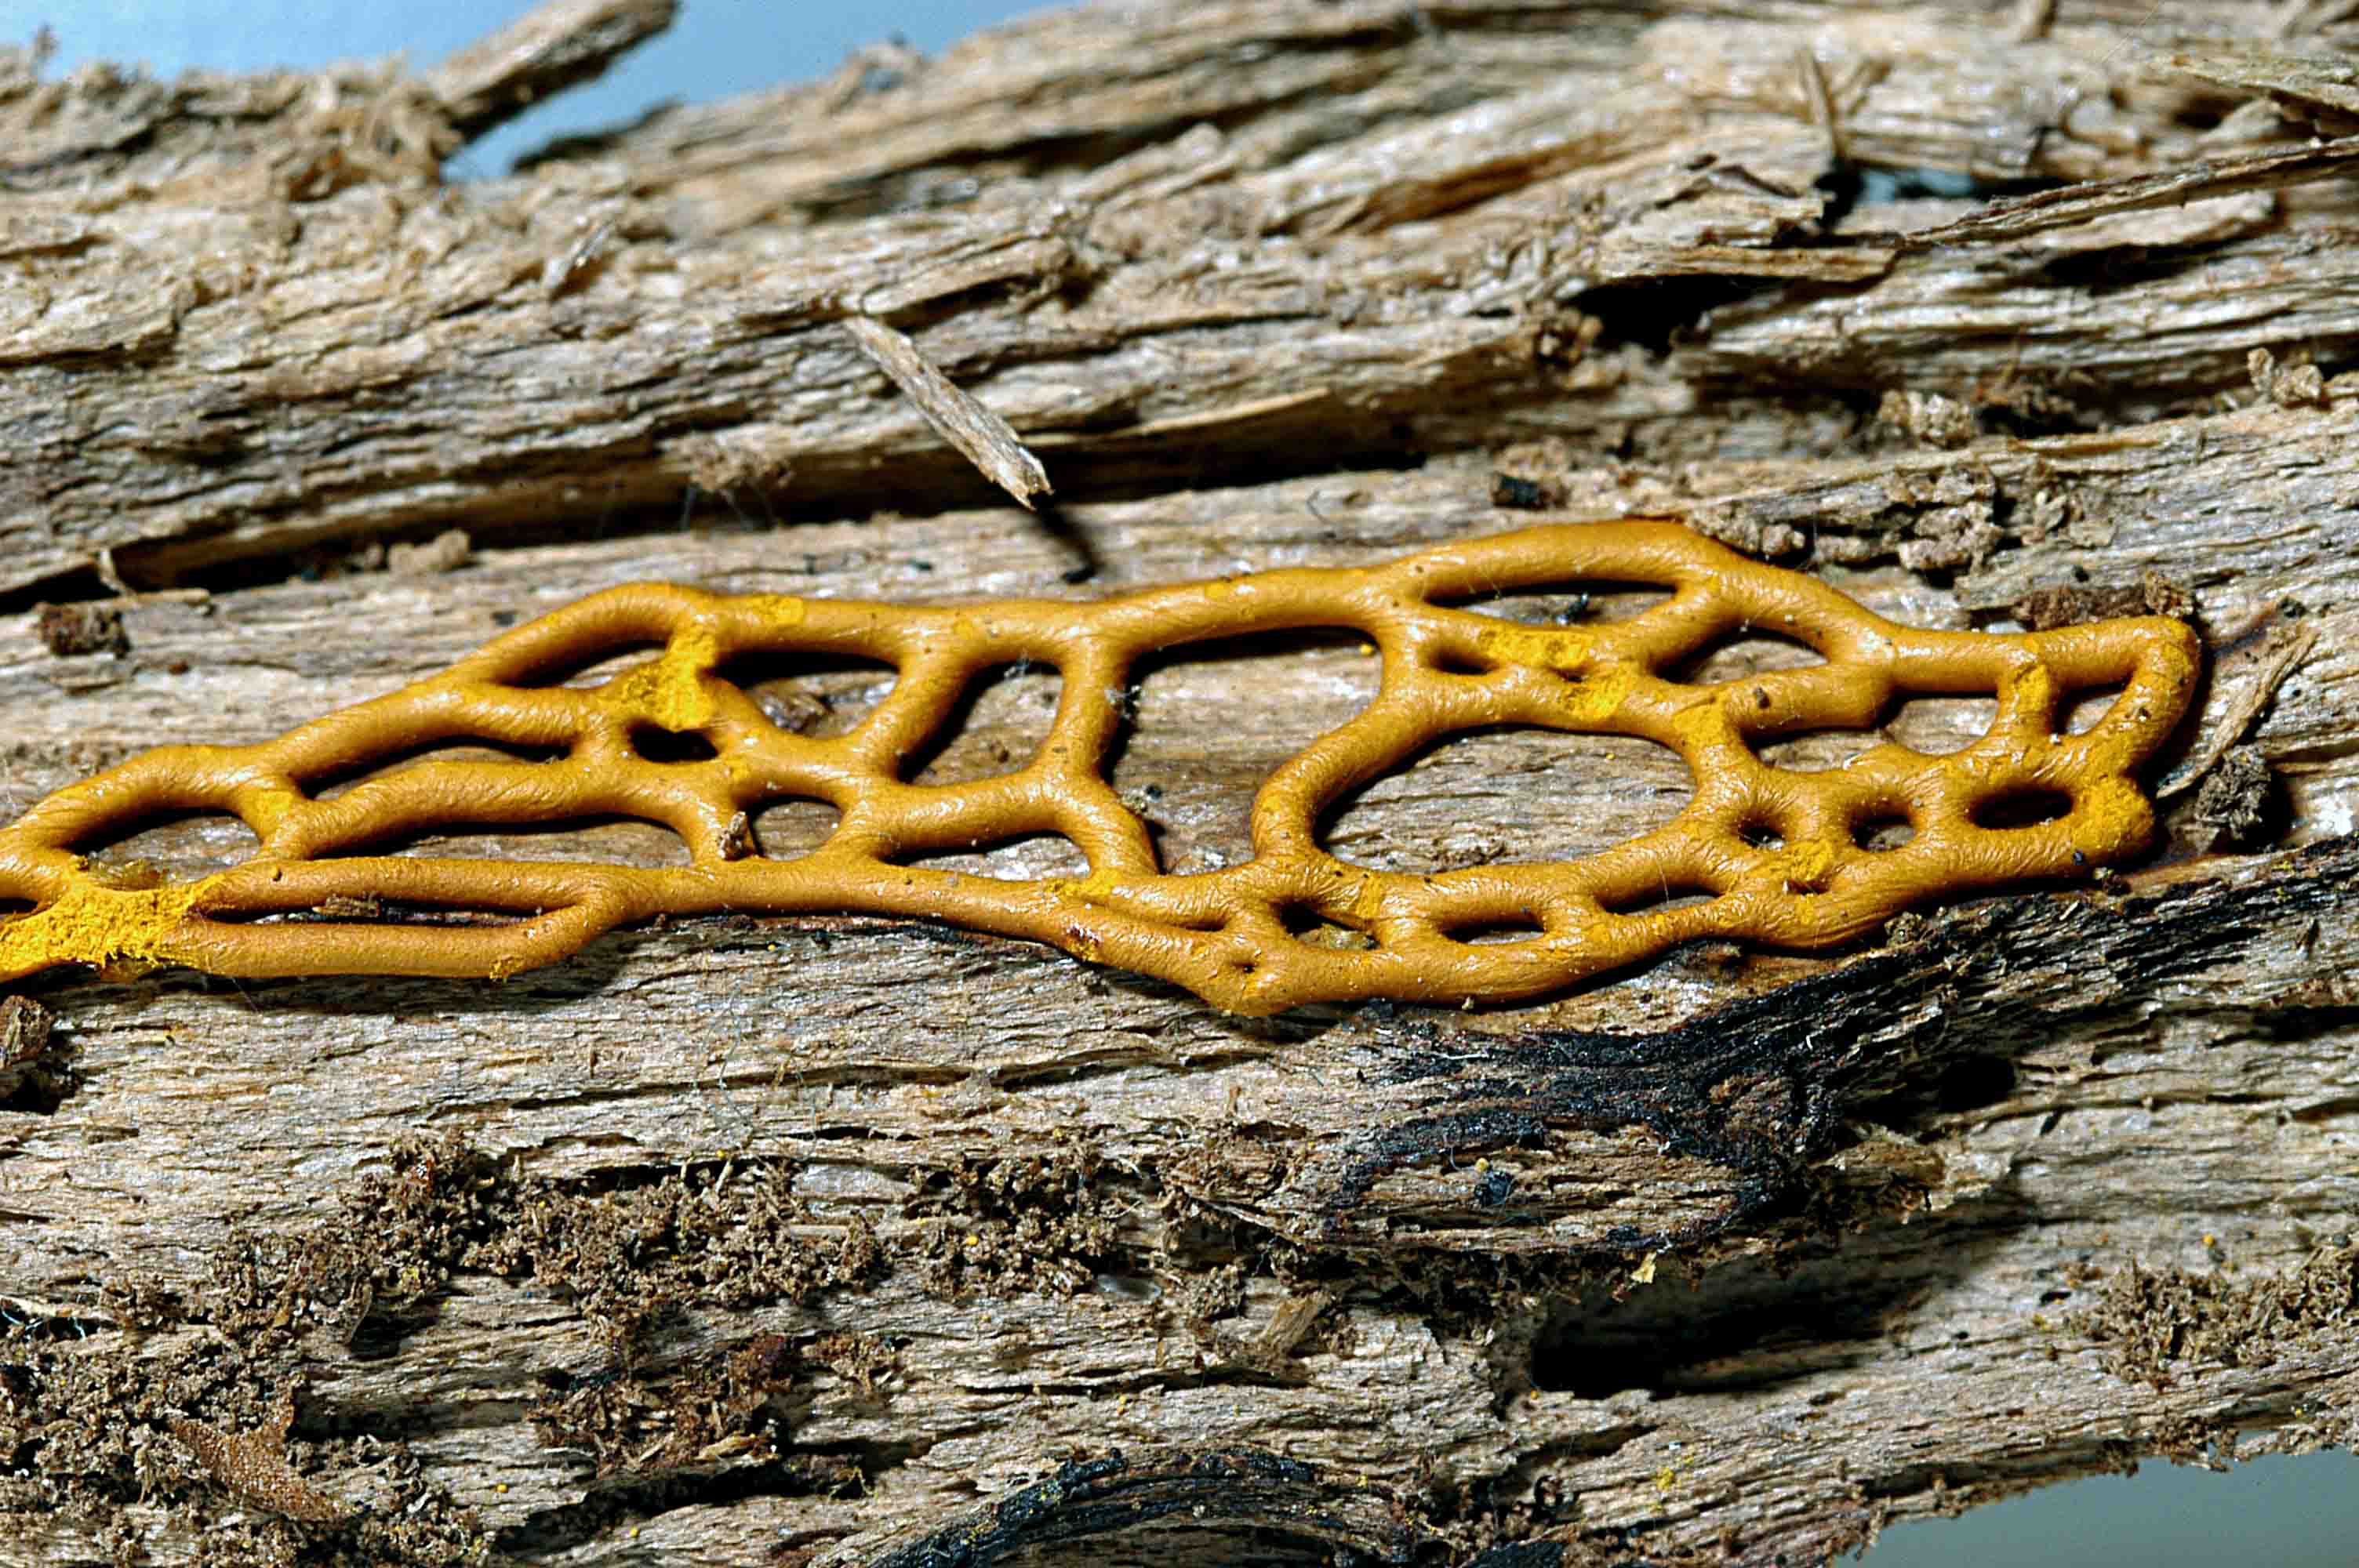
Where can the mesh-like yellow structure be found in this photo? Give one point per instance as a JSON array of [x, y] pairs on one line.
[[1780, 855]]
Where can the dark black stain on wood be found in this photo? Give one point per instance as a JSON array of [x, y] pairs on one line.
[[1763, 1086]]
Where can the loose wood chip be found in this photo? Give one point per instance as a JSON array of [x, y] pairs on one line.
[[985, 439], [546, 51], [2252, 666], [2302, 84], [2015, 217], [252, 1465]]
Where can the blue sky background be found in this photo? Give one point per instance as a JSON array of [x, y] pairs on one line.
[[716, 47], [2278, 1513]]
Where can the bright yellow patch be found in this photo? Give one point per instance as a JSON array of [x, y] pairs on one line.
[[1700, 723], [98, 926], [2110, 814], [2031, 689], [1091, 889], [1563, 651], [1598, 698], [670, 692], [780, 611], [1588, 702], [265, 810], [1805, 862]]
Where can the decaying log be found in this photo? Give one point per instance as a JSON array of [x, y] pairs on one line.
[[847, 1241]]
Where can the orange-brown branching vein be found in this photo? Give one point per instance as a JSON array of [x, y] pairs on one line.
[[1783, 855]]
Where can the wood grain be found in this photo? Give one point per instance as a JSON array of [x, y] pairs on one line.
[[844, 1241]]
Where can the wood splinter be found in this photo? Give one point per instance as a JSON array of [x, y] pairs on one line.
[[1775, 855]]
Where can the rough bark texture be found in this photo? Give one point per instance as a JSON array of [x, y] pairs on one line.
[[852, 1242]]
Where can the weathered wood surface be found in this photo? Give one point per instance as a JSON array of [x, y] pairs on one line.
[[2027, 1189]]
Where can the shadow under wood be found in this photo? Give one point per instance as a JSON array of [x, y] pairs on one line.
[[833, 1470], [556, 506], [578, 977], [1256, 1495], [852, 952], [1758, 1322], [584, 974]]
